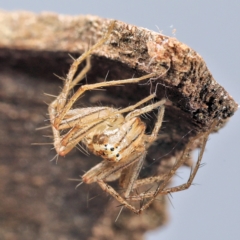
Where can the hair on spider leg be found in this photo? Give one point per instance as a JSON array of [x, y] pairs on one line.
[[83, 172], [59, 77], [71, 56], [41, 128], [50, 95], [78, 185], [90, 199], [47, 143], [170, 194], [202, 165], [195, 184], [82, 149], [177, 175], [146, 116], [120, 205], [120, 211], [41, 144], [155, 115], [77, 180], [149, 189], [142, 202], [149, 116], [55, 157], [105, 79], [169, 199], [45, 120]]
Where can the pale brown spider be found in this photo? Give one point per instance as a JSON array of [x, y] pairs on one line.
[[120, 141]]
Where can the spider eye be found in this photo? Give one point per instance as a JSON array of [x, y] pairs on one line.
[[117, 155], [112, 149]]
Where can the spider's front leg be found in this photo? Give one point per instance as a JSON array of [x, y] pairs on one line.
[[58, 106], [59, 103]]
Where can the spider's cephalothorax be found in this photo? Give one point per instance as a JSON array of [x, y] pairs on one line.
[[120, 141]]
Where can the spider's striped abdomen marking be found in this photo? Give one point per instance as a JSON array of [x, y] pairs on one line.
[[118, 142]]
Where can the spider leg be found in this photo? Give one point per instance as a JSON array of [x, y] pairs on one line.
[[58, 104], [151, 138], [166, 177], [61, 100], [89, 87], [146, 109], [193, 172], [132, 107], [110, 190], [82, 74], [107, 188], [149, 180], [105, 169], [161, 189], [130, 175]]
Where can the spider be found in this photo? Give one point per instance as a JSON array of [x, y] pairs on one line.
[[120, 141]]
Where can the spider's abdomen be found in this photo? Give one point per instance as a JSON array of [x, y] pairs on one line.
[[118, 143]]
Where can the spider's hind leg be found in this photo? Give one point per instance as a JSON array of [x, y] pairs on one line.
[[130, 175], [164, 180]]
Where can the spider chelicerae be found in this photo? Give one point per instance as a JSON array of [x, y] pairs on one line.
[[120, 141]]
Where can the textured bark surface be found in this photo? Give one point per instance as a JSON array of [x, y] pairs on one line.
[[37, 200]]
